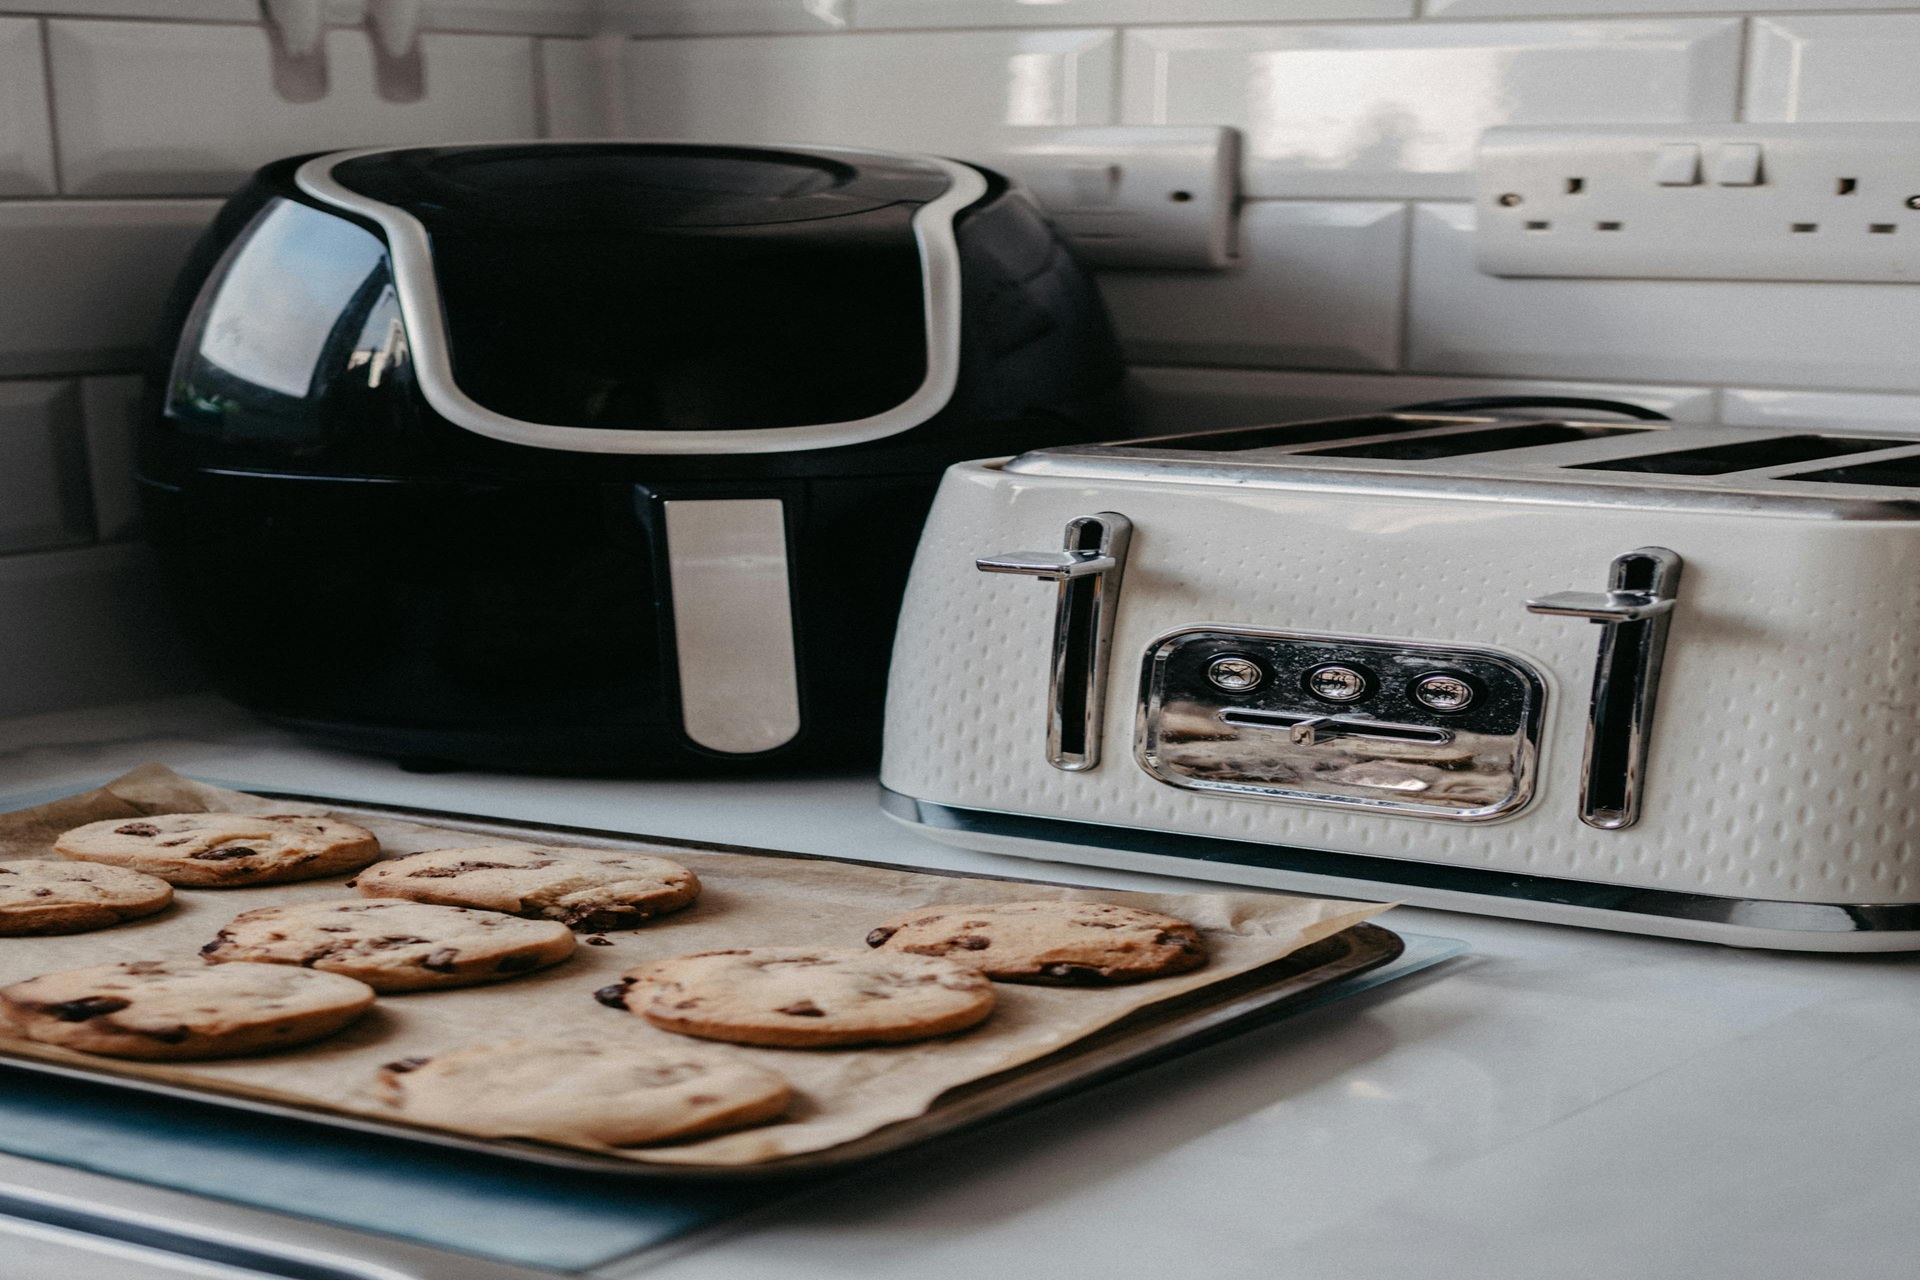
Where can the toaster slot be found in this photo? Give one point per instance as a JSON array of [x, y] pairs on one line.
[[1296, 433], [1088, 569], [1747, 455], [1453, 444], [1894, 473]]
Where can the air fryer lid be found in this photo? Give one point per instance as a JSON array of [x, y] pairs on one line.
[[644, 287]]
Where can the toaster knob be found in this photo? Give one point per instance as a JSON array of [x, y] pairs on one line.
[[1235, 674], [1443, 691], [1337, 682]]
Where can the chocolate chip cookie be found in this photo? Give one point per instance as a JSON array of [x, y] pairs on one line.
[[1066, 943], [586, 889], [621, 1094], [224, 850], [804, 997], [44, 897], [394, 946], [175, 1010]]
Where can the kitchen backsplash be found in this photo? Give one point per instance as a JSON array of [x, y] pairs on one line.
[[123, 121]]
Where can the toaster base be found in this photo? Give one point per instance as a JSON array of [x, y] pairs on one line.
[[1737, 922]]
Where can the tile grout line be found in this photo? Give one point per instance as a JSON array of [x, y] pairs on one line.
[[1404, 337], [54, 156]]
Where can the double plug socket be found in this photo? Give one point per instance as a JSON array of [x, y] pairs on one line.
[[1701, 202]]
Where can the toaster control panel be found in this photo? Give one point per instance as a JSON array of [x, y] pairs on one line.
[[1393, 726]]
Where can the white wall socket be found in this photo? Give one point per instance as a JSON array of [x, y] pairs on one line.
[[1134, 195], [1701, 202]]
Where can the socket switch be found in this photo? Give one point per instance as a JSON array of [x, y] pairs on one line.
[[1701, 202], [1134, 195]]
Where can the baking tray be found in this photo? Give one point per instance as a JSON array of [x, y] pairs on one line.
[[1148, 1036]]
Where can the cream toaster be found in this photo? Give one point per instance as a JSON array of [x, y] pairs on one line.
[[1647, 677]]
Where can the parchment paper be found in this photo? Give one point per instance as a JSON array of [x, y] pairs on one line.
[[745, 901]]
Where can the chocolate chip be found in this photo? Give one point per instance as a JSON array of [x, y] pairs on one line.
[[460, 869], [599, 940], [223, 854], [971, 942], [880, 935], [441, 961], [401, 1066], [333, 928], [804, 1009], [175, 1035], [43, 893], [351, 883], [702, 1100], [86, 1007], [735, 952], [615, 996], [210, 948], [137, 829], [517, 964], [383, 944], [1100, 924]]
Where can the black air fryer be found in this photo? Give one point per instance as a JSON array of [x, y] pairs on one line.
[[595, 457]]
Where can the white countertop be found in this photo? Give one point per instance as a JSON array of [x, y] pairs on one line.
[[1561, 1103]]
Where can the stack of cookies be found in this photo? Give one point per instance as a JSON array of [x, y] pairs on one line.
[[280, 976]]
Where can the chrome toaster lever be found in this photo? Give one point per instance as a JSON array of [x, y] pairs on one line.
[[1088, 570], [1048, 566], [1602, 606], [1634, 613]]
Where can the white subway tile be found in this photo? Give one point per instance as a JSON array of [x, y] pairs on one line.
[[81, 282], [1318, 285], [950, 92], [26, 140], [188, 10], [516, 17], [84, 628], [584, 87], [1609, 8], [1821, 410], [1177, 399], [534, 17], [109, 409], [1859, 67], [1397, 110], [43, 472], [184, 108], [1813, 335], [731, 17], [1060, 13]]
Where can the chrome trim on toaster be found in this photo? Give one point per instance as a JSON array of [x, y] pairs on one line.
[[1633, 613], [1738, 921], [419, 300], [1089, 593], [1291, 771]]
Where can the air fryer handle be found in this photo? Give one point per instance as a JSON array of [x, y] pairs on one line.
[[728, 578]]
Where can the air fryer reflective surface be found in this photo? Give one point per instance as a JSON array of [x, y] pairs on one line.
[[636, 286]]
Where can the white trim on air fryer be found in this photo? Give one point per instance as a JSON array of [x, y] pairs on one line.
[[420, 309], [733, 622]]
